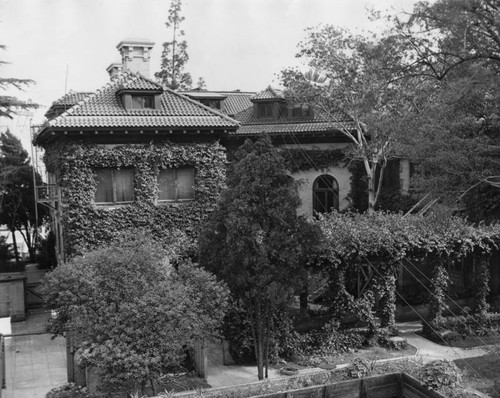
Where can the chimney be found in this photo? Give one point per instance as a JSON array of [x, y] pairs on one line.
[[135, 55], [114, 69]]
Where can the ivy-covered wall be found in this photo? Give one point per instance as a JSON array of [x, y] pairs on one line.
[[87, 225]]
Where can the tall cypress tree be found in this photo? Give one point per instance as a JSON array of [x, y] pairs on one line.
[[174, 56], [254, 240]]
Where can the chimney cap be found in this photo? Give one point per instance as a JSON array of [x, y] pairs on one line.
[[136, 42], [117, 65]]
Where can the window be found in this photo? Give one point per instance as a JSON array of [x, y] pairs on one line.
[[176, 184], [325, 194], [143, 102], [212, 103], [114, 185], [265, 109]]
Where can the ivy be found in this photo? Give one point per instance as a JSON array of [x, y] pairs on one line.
[[88, 225]]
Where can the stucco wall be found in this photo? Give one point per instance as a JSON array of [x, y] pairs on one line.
[[306, 177]]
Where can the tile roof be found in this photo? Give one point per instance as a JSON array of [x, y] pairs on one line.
[[289, 128], [269, 93], [251, 124], [71, 98], [232, 102], [103, 109]]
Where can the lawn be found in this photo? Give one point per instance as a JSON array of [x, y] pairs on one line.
[[483, 373]]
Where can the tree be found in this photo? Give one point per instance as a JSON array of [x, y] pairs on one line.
[[8, 103], [447, 34], [17, 200], [455, 45], [356, 85], [174, 55], [253, 240], [132, 311]]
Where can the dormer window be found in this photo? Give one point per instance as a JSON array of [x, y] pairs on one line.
[[302, 110], [212, 103], [264, 109], [143, 101]]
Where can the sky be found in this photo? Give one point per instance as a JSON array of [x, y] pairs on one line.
[[233, 44]]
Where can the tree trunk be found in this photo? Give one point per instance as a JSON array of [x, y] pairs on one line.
[[14, 243], [304, 298]]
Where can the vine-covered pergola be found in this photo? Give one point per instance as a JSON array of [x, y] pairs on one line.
[[374, 245]]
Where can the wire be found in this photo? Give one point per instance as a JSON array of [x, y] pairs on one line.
[[424, 321], [447, 296]]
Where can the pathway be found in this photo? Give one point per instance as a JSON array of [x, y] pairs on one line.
[[34, 363]]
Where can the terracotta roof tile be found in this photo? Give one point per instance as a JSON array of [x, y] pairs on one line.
[[104, 109], [269, 93], [290, 128]]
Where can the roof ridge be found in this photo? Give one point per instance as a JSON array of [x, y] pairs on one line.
[[200, 105]]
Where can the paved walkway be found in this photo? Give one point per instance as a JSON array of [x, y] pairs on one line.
[[34, 363], [427, 351]]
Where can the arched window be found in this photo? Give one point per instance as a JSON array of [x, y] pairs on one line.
[[325, 194]]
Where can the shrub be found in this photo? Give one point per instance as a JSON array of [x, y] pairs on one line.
[[359, 368], [440, 374], [335, 341], [132, 312], [69, 390]]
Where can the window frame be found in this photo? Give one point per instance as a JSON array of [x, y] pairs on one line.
[[147, 99], [265, 110], [177, 200], [114, 171], [334, 191]]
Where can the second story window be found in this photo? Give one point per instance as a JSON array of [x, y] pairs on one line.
[[143, 102], [264, 110], [176, 184], [114, 185], [212, 103]]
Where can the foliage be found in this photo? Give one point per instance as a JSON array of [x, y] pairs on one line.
[[174, 55], [359, 368], [69, 390], [131, 311], [353, 237], [89, 225], [17, 200], [454, 47], [453, 328], [481, 288], [355, 85], [440, 374], [8, 103], [445, 34], [254, 239], [382, 240], [6, 252], [438, 293]]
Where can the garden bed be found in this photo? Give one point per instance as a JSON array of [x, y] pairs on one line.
[[369, 354]]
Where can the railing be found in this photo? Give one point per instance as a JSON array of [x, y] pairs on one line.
[[47, 193]]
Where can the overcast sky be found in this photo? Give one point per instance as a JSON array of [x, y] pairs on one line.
[[232, 44]]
